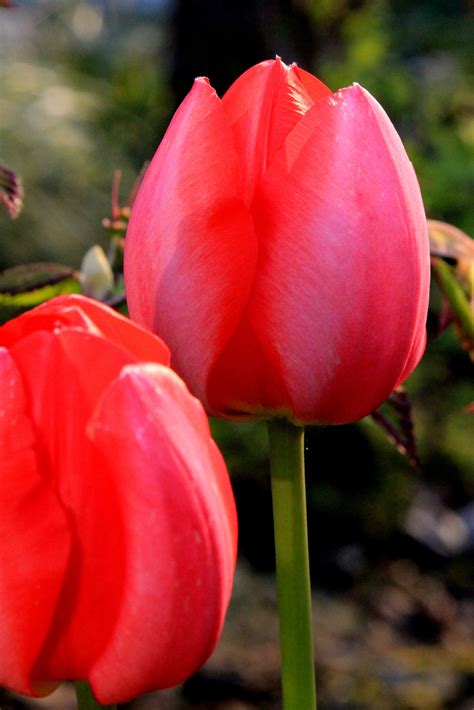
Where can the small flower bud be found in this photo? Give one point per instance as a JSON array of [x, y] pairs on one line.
[[96, 275]]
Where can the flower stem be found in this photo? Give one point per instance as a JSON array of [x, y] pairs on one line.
[[85, 699], [292, 564]]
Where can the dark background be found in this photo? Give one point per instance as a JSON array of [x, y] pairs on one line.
[[87, 87]]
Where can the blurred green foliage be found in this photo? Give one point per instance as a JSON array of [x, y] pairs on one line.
[[86, 87], [81, 94]]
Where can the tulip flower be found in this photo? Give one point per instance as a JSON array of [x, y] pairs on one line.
[[278, 244], [117, 524]]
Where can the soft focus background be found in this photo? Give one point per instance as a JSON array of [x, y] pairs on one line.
[[88, 87]]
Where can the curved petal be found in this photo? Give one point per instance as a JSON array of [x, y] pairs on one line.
[[314, 88], [64, 375], [415, 355], [342, 288], [246, 380], [75, 311], [34, 541], [179, 522], [262, 106], [190, 251]]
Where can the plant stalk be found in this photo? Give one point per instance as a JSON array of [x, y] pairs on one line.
[[85, 699], [292, 564]]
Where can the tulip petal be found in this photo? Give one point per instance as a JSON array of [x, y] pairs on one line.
[[75, 311], [313, 86], [64, 374], [342, 288], [415, 354], [263, 105], [34, 540], [190, 239], [118, 526], [179, 524], [245, 381]]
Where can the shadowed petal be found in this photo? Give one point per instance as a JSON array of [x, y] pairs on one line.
[[246, 379], [64, 374], [34, 541]]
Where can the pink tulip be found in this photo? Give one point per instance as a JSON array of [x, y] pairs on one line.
[[279, 245], [117, 521]]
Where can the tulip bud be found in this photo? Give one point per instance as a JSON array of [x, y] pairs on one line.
[[96, 275], [117, 521], [278, 243]]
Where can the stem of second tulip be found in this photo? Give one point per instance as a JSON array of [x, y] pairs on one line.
[[292, 564], [85, 699]]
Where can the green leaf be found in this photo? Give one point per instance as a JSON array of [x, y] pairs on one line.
[[30, 277], [449, 241], [458, 302], [39, 295], [26, 286]]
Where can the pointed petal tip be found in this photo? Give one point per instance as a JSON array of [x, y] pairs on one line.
[[202, 83], [272, 64], [269, 65], [356, 99], [146, 371], [279, 61], [355, 92]]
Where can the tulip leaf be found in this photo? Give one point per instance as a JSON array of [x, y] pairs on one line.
[[455, 282], [30, 277], [449, 241], [395, 418], [39, 295], [26, 286], [460, 307]]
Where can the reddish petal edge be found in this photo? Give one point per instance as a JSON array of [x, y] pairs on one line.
[[74, 310], [179, 525]]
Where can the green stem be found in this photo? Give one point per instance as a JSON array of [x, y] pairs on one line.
[[292, 565], [457, 299], [85, 699]]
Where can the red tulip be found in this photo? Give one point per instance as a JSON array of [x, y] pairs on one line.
[[279, 245], [117, 523]]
